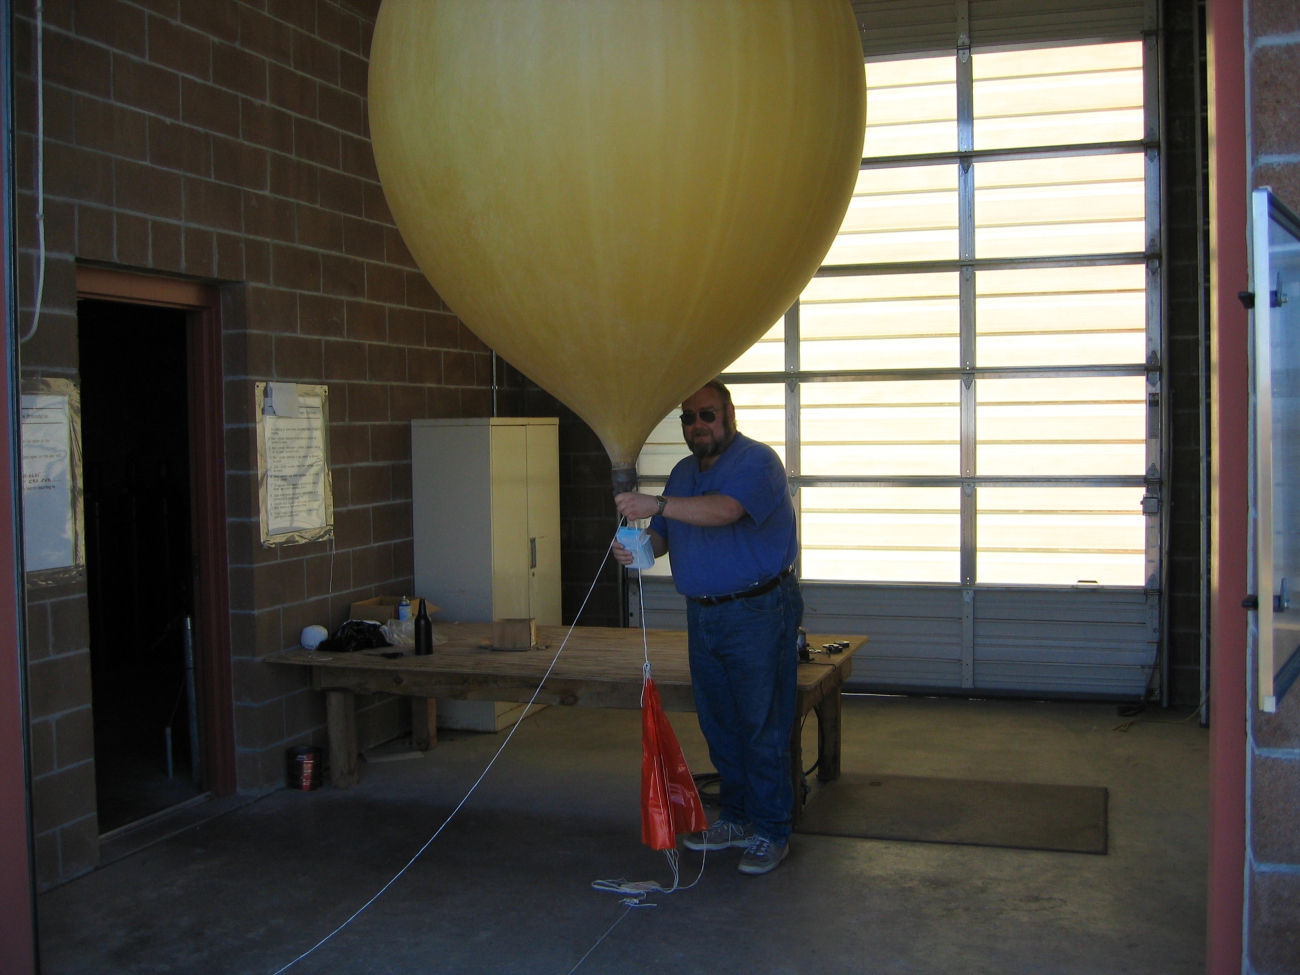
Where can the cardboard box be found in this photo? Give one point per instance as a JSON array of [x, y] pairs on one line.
[[381, 609]]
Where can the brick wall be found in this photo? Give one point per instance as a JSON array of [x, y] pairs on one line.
[[226, 140], [1273, 856]]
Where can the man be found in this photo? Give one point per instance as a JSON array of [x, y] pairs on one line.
[[728, 520]]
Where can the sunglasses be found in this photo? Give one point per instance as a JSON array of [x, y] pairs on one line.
[[688, 416]]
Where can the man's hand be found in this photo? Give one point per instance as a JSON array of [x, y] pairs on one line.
[[621, 554], [633, 506]]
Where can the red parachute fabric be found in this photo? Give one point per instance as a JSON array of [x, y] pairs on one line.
[[670, 803]]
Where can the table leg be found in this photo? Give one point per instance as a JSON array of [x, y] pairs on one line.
[[341, 722], [796, 762], [828, 735], [424, 723]]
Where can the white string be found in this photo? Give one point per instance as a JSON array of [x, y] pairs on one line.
[[606, 935], [40, 175], [473, 787]]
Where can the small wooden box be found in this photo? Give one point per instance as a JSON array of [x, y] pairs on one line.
[[515, 634]]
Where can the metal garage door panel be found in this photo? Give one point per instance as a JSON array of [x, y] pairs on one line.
[[1064, 605]]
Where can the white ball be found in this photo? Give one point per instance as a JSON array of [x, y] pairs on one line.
[[312, 636]]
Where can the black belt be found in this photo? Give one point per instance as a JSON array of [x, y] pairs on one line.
[[756, 591]]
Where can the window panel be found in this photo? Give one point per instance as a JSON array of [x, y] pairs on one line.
[[911, 107], [1060, 316], [765, 355], [880, 428], [907, 214], [1058, 96], [1043, 207], [1061, 536], [895, 321], [884, 534], [1083, 426]]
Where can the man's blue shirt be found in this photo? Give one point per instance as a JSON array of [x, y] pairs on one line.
[[732, 558]]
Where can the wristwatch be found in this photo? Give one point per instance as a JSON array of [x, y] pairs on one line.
[[663, 502]]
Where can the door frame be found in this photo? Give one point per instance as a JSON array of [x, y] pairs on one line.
[[202, 305]]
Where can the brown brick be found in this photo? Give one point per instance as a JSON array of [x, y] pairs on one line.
[[38, 630], [132, 240], [59, 111], [146, 86], [319, 228], [1274, 936], [216, 18], [239, 71], [339, 27], [391, 522], [483, 370], [164, 8], [213, 204], [298, 357], [357, 158], [372, 566], [406, 403], [375, 205], [60, 223], [239, 163], [270, 217], [316, 143], [385, 284], [343, 276], [301, 15], [271, 309], [406, 327], [367, 403], [320, 315], [443, 403], [458, 368], [263, 725], [79, 846], [352, 528], [475, 402], [266, 126], [1275, 797], [343, 193], [367, 26], [63, 796], [420, 293], [165, 249], [278, 583], [395, 251], [341, 109], [58, 684], [72, 63], [349, 442], [424, 366], [41, 747], [1275, 119], [145, 189], [46, 848], [111, 23], [291, 91], [245, 354], [294, 178], [94, 233], [265, 35], [354, 73], [385, 363], [390, 442], [229, 256], [78, 174], [314, 57], [366, 322], [470, 341], [371, 483], [257, 261], [295, 267], [200, 252], [345, 360], [173, 146], [442, 331], [179, 48], [74, 737], [362, 238], [111, 128], [1270, 17], [209, 107]]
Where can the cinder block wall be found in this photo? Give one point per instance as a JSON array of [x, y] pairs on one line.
[[1273, 857], [226, 140]]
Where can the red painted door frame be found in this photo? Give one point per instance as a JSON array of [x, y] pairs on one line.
[[1230, 410], [208, 499]]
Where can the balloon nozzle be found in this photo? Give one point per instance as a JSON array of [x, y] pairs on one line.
[[624, 479]]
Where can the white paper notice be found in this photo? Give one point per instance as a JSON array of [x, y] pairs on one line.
[[295, 469], [48, 535]]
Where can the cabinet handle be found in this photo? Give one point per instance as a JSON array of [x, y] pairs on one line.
[[532, 553]]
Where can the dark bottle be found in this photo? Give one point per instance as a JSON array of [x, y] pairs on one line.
[[423, 632]]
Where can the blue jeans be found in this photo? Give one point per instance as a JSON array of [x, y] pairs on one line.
[[743, 668]]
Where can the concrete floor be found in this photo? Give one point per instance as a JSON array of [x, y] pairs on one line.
[[505, 889]]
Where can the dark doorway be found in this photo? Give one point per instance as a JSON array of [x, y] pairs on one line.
[[136, 454]]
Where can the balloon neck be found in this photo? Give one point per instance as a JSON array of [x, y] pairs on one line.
[[624, 479]]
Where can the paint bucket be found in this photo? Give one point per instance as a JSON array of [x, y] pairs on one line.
[[303, 766]]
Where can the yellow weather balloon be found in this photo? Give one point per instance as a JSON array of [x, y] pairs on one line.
[[618, 196]]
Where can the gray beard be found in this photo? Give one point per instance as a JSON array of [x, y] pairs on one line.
[[702, 450]]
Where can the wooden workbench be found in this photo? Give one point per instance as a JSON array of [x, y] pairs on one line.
[[600, 668]]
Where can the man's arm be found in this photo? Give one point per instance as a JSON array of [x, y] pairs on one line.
[[703, 511]]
